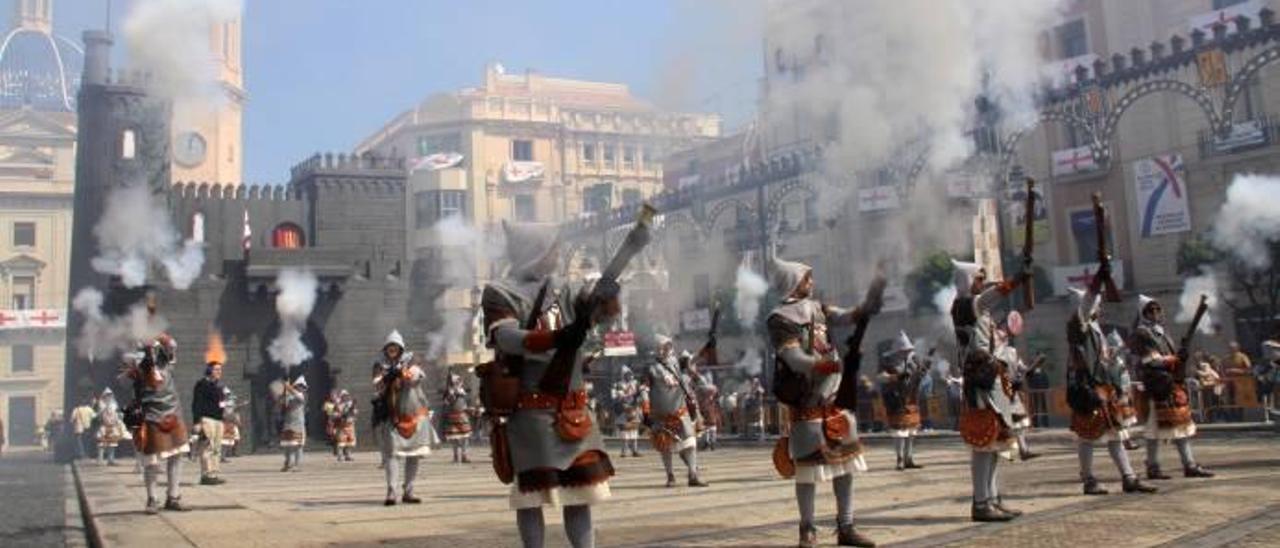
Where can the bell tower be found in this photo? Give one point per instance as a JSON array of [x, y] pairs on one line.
[[207, 139]]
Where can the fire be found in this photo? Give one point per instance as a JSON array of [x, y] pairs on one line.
[[215, 351]]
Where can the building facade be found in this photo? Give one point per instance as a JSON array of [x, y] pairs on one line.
[[39, 80], [1190, 101], [520, 148]]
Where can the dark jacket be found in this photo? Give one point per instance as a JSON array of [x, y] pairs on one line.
[[206, 402]]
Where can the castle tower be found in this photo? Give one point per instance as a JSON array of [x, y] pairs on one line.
[[207, 138], [123, 140]]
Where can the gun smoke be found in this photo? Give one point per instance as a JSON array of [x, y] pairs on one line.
[[1204, 284], [751, 288], [1249, 222], [294, 304], [104, 335], [460, 248], [170, 41], [135, 232]]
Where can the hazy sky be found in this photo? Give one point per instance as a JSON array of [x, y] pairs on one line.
[[323, 74]]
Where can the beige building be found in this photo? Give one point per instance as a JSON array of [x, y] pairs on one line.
[[523, 148]]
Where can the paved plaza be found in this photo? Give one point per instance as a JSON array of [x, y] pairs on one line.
[[747, 505]]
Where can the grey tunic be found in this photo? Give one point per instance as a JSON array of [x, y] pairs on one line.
[[531, 433], [408, 430], [667, 408], [984, 376], [805, 321], [295, 412]]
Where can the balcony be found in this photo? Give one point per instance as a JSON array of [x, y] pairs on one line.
[[1260, 132]]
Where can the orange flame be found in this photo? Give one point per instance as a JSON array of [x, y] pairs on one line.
[[215, 352]]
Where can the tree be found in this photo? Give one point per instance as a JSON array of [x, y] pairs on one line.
[[1260, 288]]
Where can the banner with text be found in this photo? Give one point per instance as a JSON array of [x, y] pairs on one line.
[[1163, 207]]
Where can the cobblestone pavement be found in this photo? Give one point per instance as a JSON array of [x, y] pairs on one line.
[[34, 492], [747, 504]]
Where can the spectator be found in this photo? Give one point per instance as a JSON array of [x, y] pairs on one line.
[[82, 424], [1038, 383], [1266, 373]]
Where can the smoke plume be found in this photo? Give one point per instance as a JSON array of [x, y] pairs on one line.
[[171, 40], [104, 335], [460, 248], [1249, 222], [294, 303], [751, 363], [1204, 284], [135, 231], [751, 290]]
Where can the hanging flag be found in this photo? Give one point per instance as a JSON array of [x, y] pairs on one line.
[[245, 241]]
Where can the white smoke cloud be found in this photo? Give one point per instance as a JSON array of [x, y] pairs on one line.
[[294, 303], [751, 363], [104, 335], [1249, 221], [135, 231], [461, 245], [1205, 284], [751, 288], [942, 300]]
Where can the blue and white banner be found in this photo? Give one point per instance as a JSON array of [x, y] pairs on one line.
[[1161, 188]]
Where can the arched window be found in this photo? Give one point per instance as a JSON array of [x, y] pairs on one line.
[[128, 144], [287, 236], [197, 227]]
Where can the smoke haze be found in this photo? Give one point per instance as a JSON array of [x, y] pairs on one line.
[[294, 303], [135, 231]]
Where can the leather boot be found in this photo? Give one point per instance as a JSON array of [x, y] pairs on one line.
[[1197, 471], [899, 467], [985, 512], [848, 535], [1091, 487], [175, 505], [1154, 473], [808, 536], [998, 503], [671, 480], [911, 464], [697, 482], [1132, 485]]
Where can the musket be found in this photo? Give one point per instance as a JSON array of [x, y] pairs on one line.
[[1184, 349], [1028, 243], [847, 393], [1103, 280], [709, 351], [556, 379]]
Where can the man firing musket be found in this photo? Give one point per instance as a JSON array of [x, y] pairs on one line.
[[821, 393], [547, 444], [1166, 407], [986, 420]]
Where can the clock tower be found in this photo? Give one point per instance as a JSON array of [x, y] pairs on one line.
[[206, 141]]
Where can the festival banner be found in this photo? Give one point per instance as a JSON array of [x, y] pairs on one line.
[[1161, 190], [878, 198], [1079, 276], [519, 172], [1073, 160]]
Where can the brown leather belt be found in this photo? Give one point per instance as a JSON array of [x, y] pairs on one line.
[[542, 400]]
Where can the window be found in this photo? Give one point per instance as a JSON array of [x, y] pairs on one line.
[[597, 198], [522, 150], [24, 234], [287, 236], [588, 153], [432, 144], [526, 210], [128, 144], [631, 197], [1085, 232], [432, 205], [24, 292], [608, 155], [1251, 101], [1223, 4], [628, 155], [24, 358], [1072, 40]]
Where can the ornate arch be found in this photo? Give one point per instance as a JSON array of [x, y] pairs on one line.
[[1237, 86], [1011, 141], [1197, 94], [773, 213], [713, 215]]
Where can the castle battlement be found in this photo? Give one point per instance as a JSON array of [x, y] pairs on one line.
[[218, 191], [1157, 59], [343, 163]]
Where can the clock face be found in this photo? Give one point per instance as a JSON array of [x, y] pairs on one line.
[[189, 149]]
